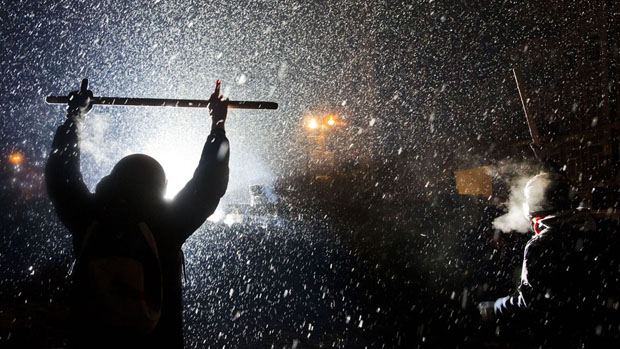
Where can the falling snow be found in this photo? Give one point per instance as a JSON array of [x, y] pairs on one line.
[[376, 207]]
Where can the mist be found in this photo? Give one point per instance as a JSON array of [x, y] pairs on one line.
[[515, 220]]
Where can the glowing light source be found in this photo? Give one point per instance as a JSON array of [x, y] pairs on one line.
[[178, 151], [178, 167], [331, 121], [16, 159], [312, 124]]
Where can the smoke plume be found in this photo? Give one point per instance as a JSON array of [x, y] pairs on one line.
[[92, 138]]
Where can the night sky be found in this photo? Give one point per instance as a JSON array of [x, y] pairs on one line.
[[432, 75]]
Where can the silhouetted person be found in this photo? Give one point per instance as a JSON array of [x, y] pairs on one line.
[[132, 195], [569, 272]]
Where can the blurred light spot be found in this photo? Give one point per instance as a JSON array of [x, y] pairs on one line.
[[312, 124], [242, 79], [16, 159]]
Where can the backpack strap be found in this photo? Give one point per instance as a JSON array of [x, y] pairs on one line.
[[89, 232], [144, 229], [87, 236], [148, 236]]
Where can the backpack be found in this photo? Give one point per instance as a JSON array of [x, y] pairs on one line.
[[119, 277]]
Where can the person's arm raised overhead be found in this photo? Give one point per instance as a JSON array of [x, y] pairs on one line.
[[201, 195], [63, 178]]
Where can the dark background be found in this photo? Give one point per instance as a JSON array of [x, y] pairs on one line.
[[378, 251]]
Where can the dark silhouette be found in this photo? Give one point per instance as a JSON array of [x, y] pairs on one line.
[[569, 285], [131, 196]]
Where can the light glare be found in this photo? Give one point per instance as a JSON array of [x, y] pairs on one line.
[[16, 159]]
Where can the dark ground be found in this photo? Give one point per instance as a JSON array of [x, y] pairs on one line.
[[345, 275]]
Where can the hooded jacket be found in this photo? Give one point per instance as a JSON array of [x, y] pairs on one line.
[[569, 271], [171, 222]]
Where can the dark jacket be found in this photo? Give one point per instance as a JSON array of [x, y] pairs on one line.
[[569, 272], [171, 222]]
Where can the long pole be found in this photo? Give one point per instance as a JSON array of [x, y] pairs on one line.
[[163, 102], [530, 122]]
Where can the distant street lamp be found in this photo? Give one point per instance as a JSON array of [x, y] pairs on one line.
[[16, 159], [323, 122], [321, 151]]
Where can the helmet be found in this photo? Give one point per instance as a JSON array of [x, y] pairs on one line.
[[547, 193], [137, 178]]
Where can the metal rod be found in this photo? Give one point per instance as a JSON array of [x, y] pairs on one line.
[[530, 121], [163, 102]]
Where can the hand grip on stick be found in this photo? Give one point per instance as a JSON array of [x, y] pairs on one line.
[[84, 86], [164, 102], [161, 102]]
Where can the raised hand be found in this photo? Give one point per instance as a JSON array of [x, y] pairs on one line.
[[80, 102], [218, 108]]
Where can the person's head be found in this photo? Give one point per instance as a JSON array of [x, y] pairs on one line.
[[547, 194], [138, 179]]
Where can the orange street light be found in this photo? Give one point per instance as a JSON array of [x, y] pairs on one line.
[[322, 123], [16, 159]]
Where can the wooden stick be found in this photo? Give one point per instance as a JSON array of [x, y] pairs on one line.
[[530, 121], [162, 102]]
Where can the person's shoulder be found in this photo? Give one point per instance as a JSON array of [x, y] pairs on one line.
[[541, 239], [541, 244], [164, 225]]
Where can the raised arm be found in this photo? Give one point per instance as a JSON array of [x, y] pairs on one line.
[[70, 196], [201, 195]]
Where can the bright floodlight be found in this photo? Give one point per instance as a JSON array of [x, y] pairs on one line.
[[312, 124], [331, 121]]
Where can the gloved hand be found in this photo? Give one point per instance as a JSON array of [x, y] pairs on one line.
[[218, 108], [80, 102]]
